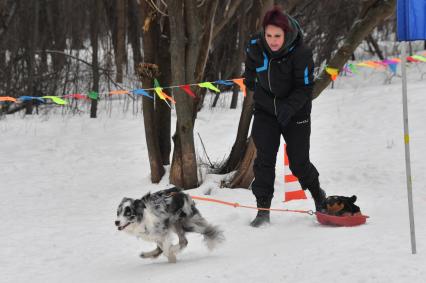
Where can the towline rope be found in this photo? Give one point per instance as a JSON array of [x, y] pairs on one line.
[[236, 204]]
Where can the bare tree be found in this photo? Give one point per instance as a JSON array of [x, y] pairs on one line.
[[193, 25]]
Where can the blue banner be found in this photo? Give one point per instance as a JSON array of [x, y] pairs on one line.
[[411, 20]]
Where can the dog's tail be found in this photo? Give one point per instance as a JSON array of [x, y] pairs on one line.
[[213, 236]]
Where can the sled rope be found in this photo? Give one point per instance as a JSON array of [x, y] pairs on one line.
[[236, 204]]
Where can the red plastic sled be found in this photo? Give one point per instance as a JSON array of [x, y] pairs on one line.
[[347, 221]]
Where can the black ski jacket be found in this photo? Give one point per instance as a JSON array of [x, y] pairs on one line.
[[282, 81]]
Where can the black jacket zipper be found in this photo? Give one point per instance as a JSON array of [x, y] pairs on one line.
[[270, 87]]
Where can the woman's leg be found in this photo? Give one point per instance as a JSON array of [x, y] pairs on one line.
[[297, 137], [266, 134]]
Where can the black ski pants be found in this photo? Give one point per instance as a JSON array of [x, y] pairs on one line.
[[266, 134]]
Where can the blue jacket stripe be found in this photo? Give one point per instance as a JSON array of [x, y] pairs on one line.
[[306, 76], [265, 64]]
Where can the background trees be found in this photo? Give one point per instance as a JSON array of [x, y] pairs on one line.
[[59, 47]]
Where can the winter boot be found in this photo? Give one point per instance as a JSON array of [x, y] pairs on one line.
[[318, 195], [262, 216]]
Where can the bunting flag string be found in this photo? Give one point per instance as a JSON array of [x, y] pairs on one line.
[[158, 90], [391, 63]]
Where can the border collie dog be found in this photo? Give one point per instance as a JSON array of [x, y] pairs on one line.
[[157, 216]]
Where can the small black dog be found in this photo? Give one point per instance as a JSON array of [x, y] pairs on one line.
[[157, 216], [340, 205]]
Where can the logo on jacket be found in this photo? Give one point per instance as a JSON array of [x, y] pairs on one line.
[[302, 122]]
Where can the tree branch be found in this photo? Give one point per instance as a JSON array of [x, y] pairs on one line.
[[8, 17], [229, 15], [105, 71], [362, 27]]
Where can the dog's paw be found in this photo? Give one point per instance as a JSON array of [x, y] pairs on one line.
[[153, 254], [171, 258], [149, 255]]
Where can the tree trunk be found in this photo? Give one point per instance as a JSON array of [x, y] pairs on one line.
[[239, 147], [162, 110], [245, 175], [148, 108], [235, 95], [151, 136], [94, 32], [362, 27], [30, 56], [242, 39], [134, 32], [194, 26], [120, 56], [183, 171]]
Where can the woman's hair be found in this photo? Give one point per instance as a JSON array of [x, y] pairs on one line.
[[276, 17]]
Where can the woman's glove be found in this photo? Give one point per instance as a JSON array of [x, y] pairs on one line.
[[284, 114]]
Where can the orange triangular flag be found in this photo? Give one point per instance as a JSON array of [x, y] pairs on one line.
[[7, 98], [240, 83], [168, 97], [112, 92]]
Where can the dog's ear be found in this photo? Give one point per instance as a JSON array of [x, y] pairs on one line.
[[352, 199], [139, 206], [146, 197]]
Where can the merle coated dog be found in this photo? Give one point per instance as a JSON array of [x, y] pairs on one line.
[[158, 216]]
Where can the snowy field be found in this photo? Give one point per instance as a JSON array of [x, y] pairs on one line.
[[62, 178]]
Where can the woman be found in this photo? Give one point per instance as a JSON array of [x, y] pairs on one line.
[[279, 69]]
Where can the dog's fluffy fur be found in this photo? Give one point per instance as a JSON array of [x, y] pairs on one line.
[[155, 217]]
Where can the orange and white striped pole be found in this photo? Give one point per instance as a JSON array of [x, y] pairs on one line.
[[292, 189]]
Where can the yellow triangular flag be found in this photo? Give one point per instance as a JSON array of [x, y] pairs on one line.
[[56, 99], [209, 86]]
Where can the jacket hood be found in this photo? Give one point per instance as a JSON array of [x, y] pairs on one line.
[[290, 39]]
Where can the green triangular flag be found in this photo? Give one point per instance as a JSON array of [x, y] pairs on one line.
[[93, 95]]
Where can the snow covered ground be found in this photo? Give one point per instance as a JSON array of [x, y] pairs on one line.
[[62, 178]]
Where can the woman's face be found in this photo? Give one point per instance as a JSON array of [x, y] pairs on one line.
[[274, 37]]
